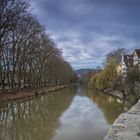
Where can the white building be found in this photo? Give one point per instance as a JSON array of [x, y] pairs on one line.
[[126, 63], [136, 59], [129, 61]]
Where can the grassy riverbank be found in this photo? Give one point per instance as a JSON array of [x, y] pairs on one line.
[[9, 95]]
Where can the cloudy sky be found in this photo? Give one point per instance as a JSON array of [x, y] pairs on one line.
[[86, 30]]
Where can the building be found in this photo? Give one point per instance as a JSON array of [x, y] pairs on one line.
[[126, 63], [136, 59], [119, 69], [130, 60]]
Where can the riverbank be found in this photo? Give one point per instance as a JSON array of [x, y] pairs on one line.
[[9, 95], [126, 126], [113, 92]]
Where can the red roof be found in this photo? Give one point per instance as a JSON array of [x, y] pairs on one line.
[[128, 62], [128, 56], [128, 59]]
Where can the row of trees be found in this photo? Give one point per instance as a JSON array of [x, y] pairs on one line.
[[28, 57]]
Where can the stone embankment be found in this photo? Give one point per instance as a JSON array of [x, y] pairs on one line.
[[115, 93], [126, 126]]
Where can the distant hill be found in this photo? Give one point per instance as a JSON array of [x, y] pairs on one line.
[[85, 75], [84, 71]]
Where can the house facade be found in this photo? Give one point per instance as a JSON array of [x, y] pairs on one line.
[[136, 59], [126, 63], [130, 60]]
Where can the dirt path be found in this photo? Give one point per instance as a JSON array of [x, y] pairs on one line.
[[24, 93]]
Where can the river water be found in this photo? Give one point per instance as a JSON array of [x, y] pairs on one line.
[[70, 114]]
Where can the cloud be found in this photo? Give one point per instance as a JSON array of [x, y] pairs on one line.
[[86, 30]]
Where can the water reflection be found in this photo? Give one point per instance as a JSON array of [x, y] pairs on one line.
[[34, 119], [69, 114], [110, 106], [83, 120]]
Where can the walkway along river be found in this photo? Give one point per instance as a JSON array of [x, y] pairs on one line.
[[69, 114]]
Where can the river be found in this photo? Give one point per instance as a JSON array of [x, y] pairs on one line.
[[69, 114]]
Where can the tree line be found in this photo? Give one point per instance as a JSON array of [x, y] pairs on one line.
[[28, 56], [109, 76]]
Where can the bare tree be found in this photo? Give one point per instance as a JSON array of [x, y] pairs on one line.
[[28, 57]]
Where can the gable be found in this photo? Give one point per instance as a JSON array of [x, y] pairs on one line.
[[135, 55], [137, 51]]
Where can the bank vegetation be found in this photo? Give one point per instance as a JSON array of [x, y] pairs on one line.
[[112, 80]]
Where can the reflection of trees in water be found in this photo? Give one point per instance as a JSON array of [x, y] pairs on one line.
[[110, 106], [34, 119]]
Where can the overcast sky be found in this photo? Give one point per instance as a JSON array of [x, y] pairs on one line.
[[86, 30]]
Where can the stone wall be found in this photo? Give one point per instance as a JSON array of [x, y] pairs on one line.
[[126, 126], [137, 88]]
